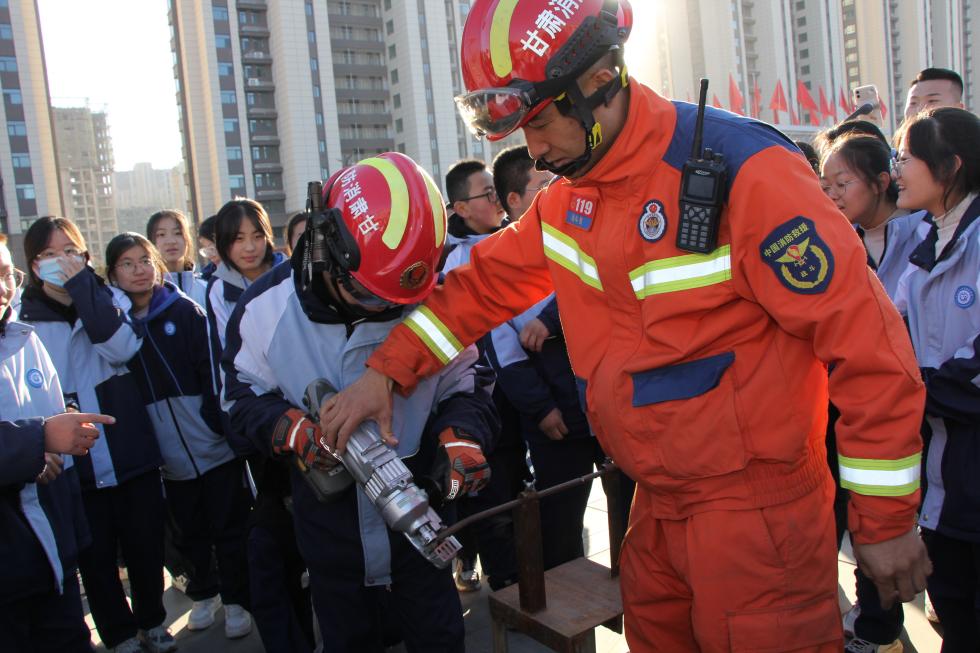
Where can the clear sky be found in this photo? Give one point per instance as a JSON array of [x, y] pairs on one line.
[[115, 55]]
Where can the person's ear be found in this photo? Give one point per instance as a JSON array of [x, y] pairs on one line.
[[597, 80], [883, 181], [462, 208], [513, 201]]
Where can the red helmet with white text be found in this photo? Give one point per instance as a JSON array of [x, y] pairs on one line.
[[381, 230], [520, 55]]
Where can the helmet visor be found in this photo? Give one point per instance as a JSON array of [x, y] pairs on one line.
[[494, 112]]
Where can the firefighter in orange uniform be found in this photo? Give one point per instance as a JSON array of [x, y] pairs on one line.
[[704, 374]]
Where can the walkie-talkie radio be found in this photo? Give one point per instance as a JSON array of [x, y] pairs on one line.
[[702, 191]]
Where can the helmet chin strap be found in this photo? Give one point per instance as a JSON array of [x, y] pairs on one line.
[[574, 103]]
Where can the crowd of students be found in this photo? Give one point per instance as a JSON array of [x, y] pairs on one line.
[[202, 370]]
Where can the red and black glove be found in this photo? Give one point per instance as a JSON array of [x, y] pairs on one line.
[[465, 467], [296, 433]]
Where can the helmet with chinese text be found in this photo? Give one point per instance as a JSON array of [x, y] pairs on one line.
[[395, 221]]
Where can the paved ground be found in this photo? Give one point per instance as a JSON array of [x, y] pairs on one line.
[[920, 637]]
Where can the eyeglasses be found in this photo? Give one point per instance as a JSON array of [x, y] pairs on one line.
[[897, 164], [490, 195], [364, 296], [208, 252], [13, 279], [130, 266], [838, 187], [53, 253]]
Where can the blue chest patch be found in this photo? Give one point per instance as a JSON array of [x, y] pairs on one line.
[[34, 378], [799, 258], [169, 328], [964, 297]]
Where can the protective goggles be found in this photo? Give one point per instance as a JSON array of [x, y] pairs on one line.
[[364, 296], [497, 112]]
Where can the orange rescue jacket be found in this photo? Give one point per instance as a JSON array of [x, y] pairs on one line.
[[704, 376]]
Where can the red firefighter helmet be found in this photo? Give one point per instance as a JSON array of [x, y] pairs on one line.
[[519, 55], [390, 229]]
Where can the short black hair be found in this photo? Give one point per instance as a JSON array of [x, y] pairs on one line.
[[229, 220], [930, 74], [511, 172], [458, 178], [206, 228], [810, 154]]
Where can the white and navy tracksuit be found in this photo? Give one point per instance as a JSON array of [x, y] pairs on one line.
[[191, 284], [939, 296], [280, 339], [204, 481], [43, 525], [90, 343]]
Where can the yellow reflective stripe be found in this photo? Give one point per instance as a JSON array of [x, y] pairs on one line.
[[564, 251], [883, 478], [500, 37], [430, 329], [398, 219], [682, 272], [438, 207]]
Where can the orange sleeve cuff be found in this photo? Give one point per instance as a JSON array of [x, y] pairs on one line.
[[876, 519]]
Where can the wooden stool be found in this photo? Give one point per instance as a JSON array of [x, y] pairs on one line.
[[560, 607]]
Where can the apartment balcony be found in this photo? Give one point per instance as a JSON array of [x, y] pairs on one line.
[[266, 166], [266, 194], [253, 30], [337, 19], [364, 118], [264, 139], [351, 144], [258, 84], [254, 5], [262, 112], [256, 56], [341, 69], [362, 94], [357, 44]]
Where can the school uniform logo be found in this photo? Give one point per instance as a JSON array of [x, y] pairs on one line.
[[34, 378], [653, 221], [965, 296], [169, 328], [799, 258]]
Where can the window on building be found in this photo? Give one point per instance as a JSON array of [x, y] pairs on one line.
[[850, 29], [394, 76], [801, 21], [323, 147], [220, 13], [227, 97], [16, 129], [319, 119], [237, 181], [400, 147], [396, 100], [399, 126], [222, 41], [25, 192], [231, 125], [805, 53], [390, 27], [8, 64], [802, 38], [12, 96], [6, 33], [392, 53], [311, 37], [233, 153], [387, 5], [20, 160], [309, 9], [225, 69], [316, 91], [314, 65], [804, 70]]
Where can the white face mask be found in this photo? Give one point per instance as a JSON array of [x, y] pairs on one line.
[[49, 270]]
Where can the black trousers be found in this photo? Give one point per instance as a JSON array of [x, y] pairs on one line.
[[46, 623], [128, 517], [211, 514], [955, 590]]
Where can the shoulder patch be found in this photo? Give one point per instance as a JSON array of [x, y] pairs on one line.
[[798, 257]]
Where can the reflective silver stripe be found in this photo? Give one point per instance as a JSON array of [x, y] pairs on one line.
[[434, 334], [682, 272], [881, 477], [563, 250]]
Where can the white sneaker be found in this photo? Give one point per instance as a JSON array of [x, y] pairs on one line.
[[850, 617], [238, 622], [131, 645], [202, 613], [158, 640]]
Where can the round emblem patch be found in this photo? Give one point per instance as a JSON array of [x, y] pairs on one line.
[[169, 328], [653, 222], [415, 276], [965, 296], [34, 378]]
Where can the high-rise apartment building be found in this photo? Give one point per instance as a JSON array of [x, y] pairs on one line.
[[85, 168], [808, 47], [28, 172], [275, 94], [144, 190]]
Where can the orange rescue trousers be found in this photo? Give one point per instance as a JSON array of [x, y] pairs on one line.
[[733, 580]]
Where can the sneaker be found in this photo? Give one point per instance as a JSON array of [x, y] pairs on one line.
[[131, 645], [158, 640], [202, 613], [467, 578], [858, 645], [850, 617], [238, 622], [931, 610]]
